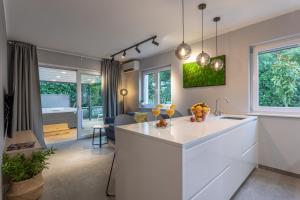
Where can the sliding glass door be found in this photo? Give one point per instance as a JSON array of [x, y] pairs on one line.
[[71, 103], [90, 111], [58, 89]]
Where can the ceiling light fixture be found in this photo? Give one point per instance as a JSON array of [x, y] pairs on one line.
[[136, 46], [183, 50], [154, 42], [203, 58], [137, 49], [124, 54], [217, 64]]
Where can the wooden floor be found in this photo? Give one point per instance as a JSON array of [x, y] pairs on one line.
[[59, 133]]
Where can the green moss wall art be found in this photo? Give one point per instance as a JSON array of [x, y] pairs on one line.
[[196, 76]]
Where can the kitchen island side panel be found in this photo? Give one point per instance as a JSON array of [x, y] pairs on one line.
[[147, 169]]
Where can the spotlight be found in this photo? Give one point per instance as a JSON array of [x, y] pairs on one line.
[[124, 54], [154, 42], [137, 49]]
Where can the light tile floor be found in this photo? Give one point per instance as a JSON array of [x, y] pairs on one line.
[[267, 185], [79, 171]]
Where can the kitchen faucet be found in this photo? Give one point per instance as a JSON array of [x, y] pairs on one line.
[[217, 112]]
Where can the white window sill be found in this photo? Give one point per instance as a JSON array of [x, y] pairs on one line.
[[165, 106], [279, 115]]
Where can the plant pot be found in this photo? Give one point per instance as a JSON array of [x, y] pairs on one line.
[[31, 189]]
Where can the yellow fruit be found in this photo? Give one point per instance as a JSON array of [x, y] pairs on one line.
[[173, 106], [199, 108], [206, 109], [198, 114]]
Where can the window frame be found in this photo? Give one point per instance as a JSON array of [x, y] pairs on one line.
[[276, 45], [156, 72]]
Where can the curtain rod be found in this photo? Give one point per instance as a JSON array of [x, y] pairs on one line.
[[62, 52]]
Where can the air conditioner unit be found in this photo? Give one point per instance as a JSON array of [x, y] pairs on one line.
[[133, 65]]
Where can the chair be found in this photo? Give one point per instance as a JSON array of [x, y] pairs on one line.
[[177, 114], [118, 121], [150, 117], [123, 120], [100, 128]]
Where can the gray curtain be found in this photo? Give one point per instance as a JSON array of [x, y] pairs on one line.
[[25, 87], [111, 85]]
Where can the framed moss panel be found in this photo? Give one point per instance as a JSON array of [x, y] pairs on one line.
[[196, 76]]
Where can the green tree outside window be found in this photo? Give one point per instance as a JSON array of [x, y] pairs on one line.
[[279, 78]]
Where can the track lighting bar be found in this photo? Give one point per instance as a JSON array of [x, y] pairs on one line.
[[137, 49], [136, 46]]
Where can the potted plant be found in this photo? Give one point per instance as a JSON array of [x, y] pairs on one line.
[[25, 174]]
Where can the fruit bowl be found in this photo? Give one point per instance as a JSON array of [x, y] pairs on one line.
[[200, 111]]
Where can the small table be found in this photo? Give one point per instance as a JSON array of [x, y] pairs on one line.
[[99, 127]]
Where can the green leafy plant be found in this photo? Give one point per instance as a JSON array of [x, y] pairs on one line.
[[70, 89], [279, 82], [20, 168], [195, 76]]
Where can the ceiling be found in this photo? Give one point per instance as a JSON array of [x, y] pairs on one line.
[[99, 28]]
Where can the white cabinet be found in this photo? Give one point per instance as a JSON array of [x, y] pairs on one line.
[[221, 163], [148, 168]]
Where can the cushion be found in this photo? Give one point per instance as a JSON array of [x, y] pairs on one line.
[[140, 117]]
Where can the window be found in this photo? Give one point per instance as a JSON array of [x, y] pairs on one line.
[[58, 88], [165, 87], [149, 86], [276, 77], [157, 86]]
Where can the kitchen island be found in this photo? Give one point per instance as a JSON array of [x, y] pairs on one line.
[[200, 161]]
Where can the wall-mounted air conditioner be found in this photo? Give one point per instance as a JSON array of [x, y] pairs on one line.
[[131, 66]]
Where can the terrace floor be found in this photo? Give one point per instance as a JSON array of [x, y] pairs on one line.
[[71, 134]]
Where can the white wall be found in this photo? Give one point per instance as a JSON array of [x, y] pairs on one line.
[[236, 46], [279, 140], [3, 80], [131, 83]]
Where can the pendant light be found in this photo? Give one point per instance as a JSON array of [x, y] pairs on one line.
[[183, 50], [217, 64], [203, 58]]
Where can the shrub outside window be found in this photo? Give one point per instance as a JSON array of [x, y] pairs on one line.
[[157, 86], [276, 77]]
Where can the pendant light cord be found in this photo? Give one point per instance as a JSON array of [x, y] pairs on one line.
[[202, 31], [216, 38], [182, 2]]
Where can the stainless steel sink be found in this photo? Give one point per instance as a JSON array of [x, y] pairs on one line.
[[234, 118]]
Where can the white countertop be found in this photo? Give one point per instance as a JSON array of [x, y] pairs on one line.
[[182, 132]]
